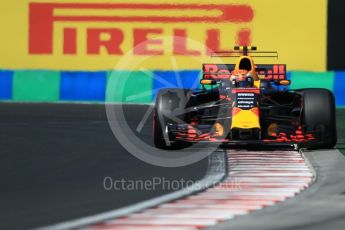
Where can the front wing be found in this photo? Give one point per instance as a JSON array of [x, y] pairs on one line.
[[204, 133]]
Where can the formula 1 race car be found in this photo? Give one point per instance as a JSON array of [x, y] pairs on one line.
[[244, 104]]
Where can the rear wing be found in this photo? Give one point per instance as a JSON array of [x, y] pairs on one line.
[[245, 50], [265, 71]]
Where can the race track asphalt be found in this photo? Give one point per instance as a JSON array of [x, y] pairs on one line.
[[54, 158], [341, 130]]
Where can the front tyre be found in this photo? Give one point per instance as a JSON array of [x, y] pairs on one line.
[[169, 109], [318, 116]]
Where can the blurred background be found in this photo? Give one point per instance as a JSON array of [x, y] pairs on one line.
[[55, 51]]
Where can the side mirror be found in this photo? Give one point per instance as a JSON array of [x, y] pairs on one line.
[[282, 82], [208, 82]]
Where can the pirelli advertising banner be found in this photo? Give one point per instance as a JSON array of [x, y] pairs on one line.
[[96, 35]]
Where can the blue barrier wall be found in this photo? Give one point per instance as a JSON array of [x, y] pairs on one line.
[[138, 87]]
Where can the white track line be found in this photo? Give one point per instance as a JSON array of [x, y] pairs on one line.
[[254, 180]]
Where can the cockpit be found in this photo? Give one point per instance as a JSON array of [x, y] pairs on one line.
[[244, 74], [245, 64]]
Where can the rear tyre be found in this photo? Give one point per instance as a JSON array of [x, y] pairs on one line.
[[319, 116], [168, 103]]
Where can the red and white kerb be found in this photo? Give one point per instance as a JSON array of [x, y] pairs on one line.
[[256, 179]]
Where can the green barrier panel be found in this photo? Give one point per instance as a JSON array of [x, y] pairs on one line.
[[36, 86], [300, 79], [129, 87]]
